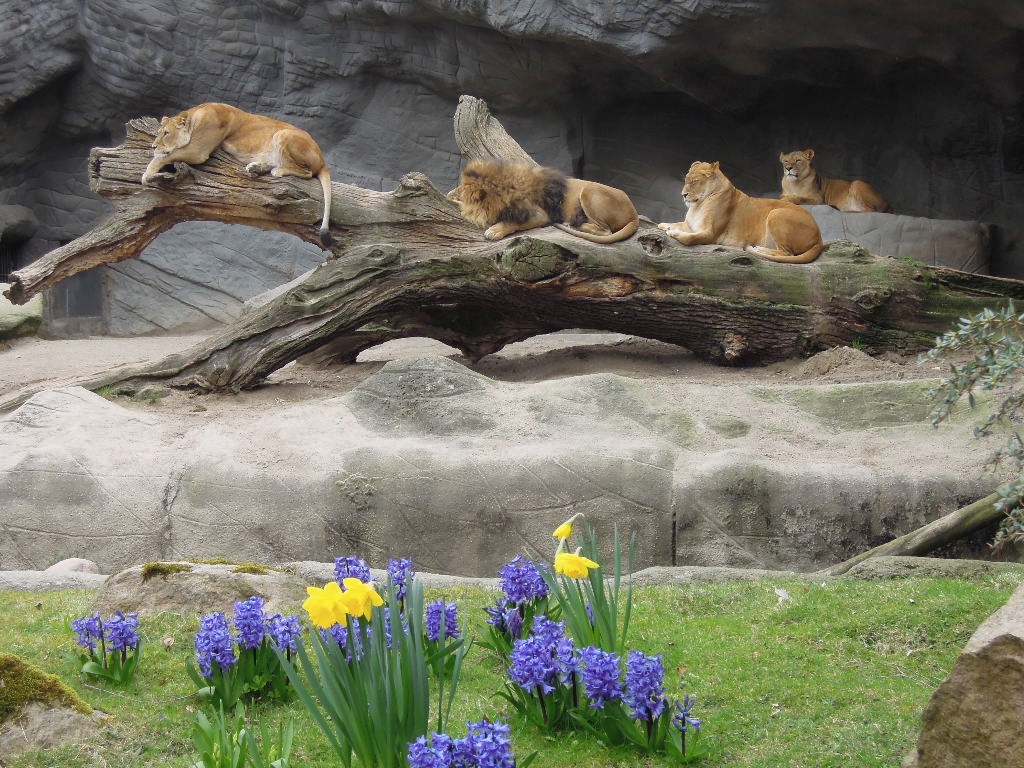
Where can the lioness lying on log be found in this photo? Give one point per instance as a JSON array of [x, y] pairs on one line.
[[718, 213], [262, 144], [801, 184], [507, 198]]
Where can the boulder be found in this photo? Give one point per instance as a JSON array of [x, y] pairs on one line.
[[187, 587], [429, 459], [73, 565], [975, 716], [37, 711], [962, 245]]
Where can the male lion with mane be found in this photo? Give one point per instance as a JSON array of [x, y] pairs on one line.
[[801, 184], [261, 144], [718, 213], [511, 197]]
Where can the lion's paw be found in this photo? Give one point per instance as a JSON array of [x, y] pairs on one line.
[[258, 169]]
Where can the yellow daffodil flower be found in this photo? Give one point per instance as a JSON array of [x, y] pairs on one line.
[[564, 531], [574, 565], [360, 597], [327, 606]]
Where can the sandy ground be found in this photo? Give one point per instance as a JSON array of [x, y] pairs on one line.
[[39, 363]]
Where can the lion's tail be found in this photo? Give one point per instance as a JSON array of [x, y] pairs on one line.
[[775, 254], [325, 227], [627, 231]]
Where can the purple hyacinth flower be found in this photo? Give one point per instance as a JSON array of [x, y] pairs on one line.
[[122, 632], [400, 573], [496, 613], [599, 670], [682, 719], [284, 631], [548, 632], [88, 629], [350, 567], [424, 754], [521, 581], [434, 613], [214, 644], [491, 745], [250, 622], [514, 623], [645, 692], [533, 665]]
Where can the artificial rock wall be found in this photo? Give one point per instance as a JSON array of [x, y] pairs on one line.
[[925, 100]]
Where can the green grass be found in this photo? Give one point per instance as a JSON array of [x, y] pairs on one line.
[[837, 675]]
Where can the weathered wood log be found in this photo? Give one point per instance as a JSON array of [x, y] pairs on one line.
[[948, 528], [407, 264]]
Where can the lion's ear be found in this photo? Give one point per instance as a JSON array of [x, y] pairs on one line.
[[714, 166], [164, 120], [695, 162], [809, 154]]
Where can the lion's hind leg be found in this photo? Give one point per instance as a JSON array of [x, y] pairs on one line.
[[795, 235], [863, 198], [290, 155]]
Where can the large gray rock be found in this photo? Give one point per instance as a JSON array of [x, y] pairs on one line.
[[975, 716], [185, 587], [428, 459], [625, 93], [42, 726], [963, 245]]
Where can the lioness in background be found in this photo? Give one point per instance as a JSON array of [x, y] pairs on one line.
[[801, 184], [718, 213], [261, 144], [511, 197]]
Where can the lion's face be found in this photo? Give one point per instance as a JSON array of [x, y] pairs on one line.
[[701, 180], [796, 165], [174, 134]]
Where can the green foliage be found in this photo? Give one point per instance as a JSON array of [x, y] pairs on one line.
[[836, 676], [596, 609], [996, 339], [225, 742], [371, 696], [258, 672]]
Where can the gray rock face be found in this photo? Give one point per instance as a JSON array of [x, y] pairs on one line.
[[922, 100], [428, 459], [963, 245], [974, 717]]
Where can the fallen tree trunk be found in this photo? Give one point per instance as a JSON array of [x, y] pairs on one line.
[[947, 529], [407, 264]]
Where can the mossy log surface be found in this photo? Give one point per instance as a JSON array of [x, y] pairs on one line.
[[405, 263]]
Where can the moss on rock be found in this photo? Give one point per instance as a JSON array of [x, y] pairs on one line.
[[21, 684], [163, 570]]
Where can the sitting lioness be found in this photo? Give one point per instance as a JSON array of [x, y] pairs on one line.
[[718, 213], [801, 184], [509, 197], [261, 144]]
